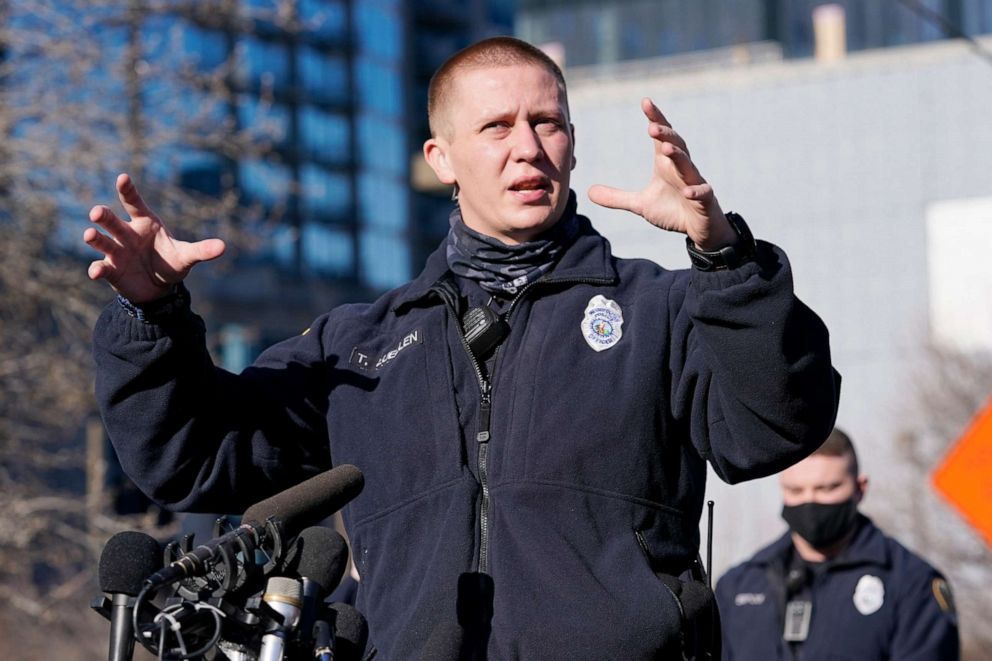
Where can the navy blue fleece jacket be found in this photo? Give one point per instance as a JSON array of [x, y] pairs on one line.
[[541, 538]]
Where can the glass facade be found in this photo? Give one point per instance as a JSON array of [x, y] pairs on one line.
[[321, 83], [606, 32], [325, 102]]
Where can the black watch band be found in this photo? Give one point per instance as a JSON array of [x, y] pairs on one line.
[[739, 252]]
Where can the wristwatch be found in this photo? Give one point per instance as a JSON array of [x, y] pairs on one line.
[[739, 252]]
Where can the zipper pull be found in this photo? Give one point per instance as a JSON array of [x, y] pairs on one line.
[[485, 410]]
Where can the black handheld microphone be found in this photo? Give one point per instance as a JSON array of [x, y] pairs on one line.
[[305, 504], [127, 558], [350, 633], [319, 557]]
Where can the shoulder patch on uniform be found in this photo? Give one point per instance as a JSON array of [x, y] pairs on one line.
[[869, 594], [942, 593], [602, 323]]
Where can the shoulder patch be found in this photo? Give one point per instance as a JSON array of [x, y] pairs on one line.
[[942, 593]]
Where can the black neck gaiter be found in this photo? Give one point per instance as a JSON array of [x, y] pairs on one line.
[[505, 269]]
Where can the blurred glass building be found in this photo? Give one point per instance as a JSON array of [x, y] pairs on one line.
[[339, 89], [596, 32]]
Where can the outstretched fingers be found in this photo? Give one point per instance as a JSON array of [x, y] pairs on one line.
[[99, 269], [678, 156], [129, 196], [99, 241], [108, 220], [702, 193], [615, 198], [206, 250], [653, 113], [666, 135]]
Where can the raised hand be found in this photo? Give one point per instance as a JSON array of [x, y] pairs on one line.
[[141, 260], [677, 198]]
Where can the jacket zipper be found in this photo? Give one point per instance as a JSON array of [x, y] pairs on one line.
[[482, 438], [483, 435]]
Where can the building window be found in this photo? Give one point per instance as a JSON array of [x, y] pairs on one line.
[[385, 259], [384, 202], [379, 87], [265, 182], [327, 250], [324, 194], [323, 19], [324, 136], [323, 78], [269, 121], [263, 63], [381, 145], [377, 29], [200, 170], [205, 49]]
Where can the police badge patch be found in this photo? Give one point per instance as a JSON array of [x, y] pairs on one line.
[[869, 594], [601, 325]]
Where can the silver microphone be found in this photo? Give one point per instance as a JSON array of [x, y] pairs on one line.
[[285, 597]]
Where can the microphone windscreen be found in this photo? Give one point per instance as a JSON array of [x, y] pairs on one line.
[[351, 633], [321, 555], [128, 558], [309, 502]]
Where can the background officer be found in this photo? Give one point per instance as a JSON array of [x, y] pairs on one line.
[[834, 586]]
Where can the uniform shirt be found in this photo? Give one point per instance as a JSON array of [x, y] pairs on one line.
[[876, 600]]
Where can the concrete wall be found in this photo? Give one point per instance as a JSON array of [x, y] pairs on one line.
[[837, 163]]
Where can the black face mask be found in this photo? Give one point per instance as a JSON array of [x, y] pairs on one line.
[[820, 524]]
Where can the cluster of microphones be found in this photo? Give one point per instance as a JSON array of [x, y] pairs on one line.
[[256, 592]]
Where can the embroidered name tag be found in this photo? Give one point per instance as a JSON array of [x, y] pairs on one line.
[[749, 599], [368, 360]]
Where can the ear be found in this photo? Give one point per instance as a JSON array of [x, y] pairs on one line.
[[571, 128], [436, 155], [862, 487]]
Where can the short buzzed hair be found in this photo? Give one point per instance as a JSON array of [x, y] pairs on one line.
[[839, 444], [492, 52]]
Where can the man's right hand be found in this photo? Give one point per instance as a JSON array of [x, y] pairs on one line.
[[141, 259]]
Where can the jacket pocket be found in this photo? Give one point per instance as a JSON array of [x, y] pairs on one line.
[[696, 604]]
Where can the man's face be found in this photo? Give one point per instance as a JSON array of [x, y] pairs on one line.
[[507, 144], [821, 479]]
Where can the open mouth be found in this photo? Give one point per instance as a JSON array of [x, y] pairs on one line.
[[531, 188]]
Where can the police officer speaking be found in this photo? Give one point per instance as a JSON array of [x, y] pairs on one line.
[[533, 415], [834, 586]]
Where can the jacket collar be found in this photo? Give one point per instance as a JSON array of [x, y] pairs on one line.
[[589, 258]]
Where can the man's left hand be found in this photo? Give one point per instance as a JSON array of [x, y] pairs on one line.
[[677, 198]]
